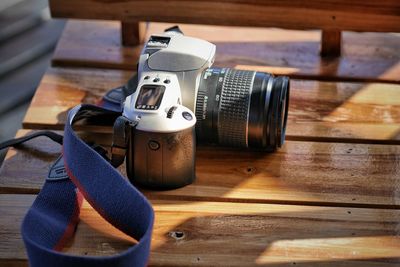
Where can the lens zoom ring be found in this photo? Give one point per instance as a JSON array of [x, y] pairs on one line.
[[235, 100]]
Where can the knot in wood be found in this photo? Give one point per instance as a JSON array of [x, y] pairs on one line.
[[178, 235]]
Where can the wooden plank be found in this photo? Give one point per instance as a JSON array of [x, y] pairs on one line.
[[13, 120], [365, 56], [311, 173], [352, 15], [323, 111], [62, 89], [231, 234], [331, 43]]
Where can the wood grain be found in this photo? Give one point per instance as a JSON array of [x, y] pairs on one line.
[[323, 111], [270, 235], [352, 15], [62, 89], [365, 56], [307, 173]]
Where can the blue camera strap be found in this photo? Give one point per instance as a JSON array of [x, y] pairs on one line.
[[82, 172]]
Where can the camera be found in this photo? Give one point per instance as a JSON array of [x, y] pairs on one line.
[[180, 99]]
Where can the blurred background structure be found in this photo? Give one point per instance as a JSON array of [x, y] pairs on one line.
[[28, 37]]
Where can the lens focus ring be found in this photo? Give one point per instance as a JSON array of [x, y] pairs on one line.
[[234, 107]]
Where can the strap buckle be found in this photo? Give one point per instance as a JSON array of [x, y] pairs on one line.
[[121, 136]]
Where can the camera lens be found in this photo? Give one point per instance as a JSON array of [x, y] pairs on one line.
[[242, 108]]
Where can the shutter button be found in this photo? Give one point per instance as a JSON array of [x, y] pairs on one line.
[[154, 145]]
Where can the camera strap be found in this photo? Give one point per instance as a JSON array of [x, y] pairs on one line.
[[83, 171], [121, 137]]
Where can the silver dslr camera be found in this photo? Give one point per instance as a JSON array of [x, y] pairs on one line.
[[179, 98]]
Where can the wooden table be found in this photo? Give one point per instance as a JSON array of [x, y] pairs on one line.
[[329, 197]]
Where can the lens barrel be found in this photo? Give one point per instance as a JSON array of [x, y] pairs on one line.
[[242, 108]]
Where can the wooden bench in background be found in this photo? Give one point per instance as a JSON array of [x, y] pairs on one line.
[[329, 197], [330, 16]]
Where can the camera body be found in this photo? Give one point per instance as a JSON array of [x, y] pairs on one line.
[[176, 87], [161, 153]]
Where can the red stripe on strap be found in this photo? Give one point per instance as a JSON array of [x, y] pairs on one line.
[[86, 194], [73, 221]]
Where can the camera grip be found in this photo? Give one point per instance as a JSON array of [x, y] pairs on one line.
[[161, 160]]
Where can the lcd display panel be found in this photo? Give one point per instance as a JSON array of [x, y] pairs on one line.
[[150, 97]]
